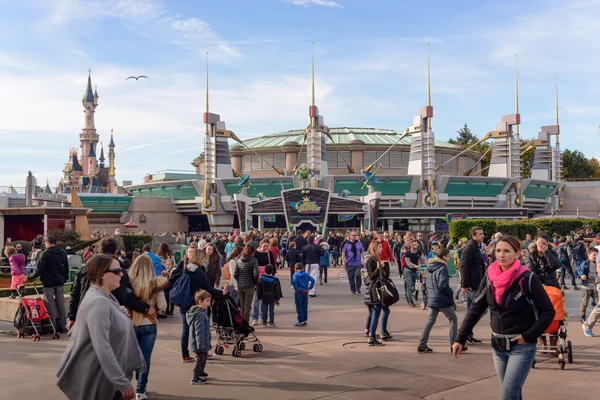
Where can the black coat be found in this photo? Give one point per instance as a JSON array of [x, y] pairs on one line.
[[544, 267], [472, 267], [269, 289], [437, 281], [311, 253], [515, 316], [53, 267]]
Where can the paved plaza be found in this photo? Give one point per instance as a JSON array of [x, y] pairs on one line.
[[329, 359]]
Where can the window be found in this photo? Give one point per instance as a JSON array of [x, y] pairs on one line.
[[256, 163], [385, 159], [445, 158], [369, 158], [246, 164], [335, 159], [302, 157], [279, 160], [469, 163]]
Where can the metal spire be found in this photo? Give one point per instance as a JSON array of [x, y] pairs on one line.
[[428, 78], [313, 74], [517, 89], [207, 127], [557, 140]]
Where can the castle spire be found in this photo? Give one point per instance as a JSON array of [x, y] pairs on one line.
[[101, 154], [89, 94], [112, 142], [92, 151]]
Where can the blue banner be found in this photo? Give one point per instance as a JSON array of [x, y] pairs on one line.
[[268, 218], [345, 217]]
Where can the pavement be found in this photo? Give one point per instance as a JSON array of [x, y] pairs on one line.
[[328, 359]]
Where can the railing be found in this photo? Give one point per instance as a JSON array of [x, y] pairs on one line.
[[12, 189]]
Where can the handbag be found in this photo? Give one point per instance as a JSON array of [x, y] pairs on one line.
[[384, 291]]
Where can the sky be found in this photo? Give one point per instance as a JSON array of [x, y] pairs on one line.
[[370, 66]]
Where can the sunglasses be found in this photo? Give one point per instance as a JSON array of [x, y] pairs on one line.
[[115, 271]]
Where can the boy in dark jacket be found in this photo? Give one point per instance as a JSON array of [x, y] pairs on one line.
[[198, 321], [586, 271], [292, 258], [302, 283], [440, 297], [269, 291]]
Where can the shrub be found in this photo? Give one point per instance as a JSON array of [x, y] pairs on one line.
[[135, 240], [460, 228], [67, 236]]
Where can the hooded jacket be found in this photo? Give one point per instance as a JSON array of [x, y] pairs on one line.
[[156, 263], [545, 270], [269, 289], [197, 319], [17, 264], [198, 279], [437, 280], [53, 268]]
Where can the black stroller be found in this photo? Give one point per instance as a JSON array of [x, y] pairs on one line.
[[232, 328]]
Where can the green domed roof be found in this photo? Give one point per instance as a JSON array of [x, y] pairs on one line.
[[341, 136]]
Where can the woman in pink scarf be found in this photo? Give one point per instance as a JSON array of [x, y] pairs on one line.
[[513, 295]]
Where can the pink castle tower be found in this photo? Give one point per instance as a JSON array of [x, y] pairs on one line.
[[88, 137]]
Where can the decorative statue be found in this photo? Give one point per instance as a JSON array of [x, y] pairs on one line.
[[305, 175]]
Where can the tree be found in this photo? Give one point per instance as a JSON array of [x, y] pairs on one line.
[[576, 165], [465, 137], [595, 164], [527, 160]]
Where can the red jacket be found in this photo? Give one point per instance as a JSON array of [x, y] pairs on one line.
[[386, 253]]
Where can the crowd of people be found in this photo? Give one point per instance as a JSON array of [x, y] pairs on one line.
[[118, 297]]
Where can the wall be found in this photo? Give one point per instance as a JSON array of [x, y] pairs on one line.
[[584, 195], [160, 215]]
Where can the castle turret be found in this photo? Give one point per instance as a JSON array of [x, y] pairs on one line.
[[101, 159], [112, 183], [88, 137]]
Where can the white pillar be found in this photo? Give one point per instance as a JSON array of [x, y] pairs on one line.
[[432, 224], [261, 224], [2, 230], [390, 222], [45, 224]]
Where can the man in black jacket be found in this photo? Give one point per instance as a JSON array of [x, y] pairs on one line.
[[472, 269], [311, 254], [124, 293], [53, 270]]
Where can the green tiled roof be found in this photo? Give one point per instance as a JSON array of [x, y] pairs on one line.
[[539, 191], [182, 192], [341, 136], [106, 203], [269, 190], [387, 186]]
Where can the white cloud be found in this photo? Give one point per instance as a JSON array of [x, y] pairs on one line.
[[324, 3]]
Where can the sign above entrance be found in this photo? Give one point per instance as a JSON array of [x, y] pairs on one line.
[[268, 218], [306, 207], [451, 216]]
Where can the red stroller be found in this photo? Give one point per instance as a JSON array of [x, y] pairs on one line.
[[32, 317]]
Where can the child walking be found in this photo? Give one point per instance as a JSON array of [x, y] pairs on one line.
[[197, 319], [324, 263], [335, 255], [17, 270], [587, 273], [302, 283], [269, 291]]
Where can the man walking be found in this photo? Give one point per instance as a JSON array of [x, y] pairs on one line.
[[352, 261], [472, 269], [53, 270], [311, 254]]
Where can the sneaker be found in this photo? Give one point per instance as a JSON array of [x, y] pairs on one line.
[[359, 292], [582, 320], [472, 340], [292, 286], [12, 296], [186, 360], [211, 356], [141, 396], [366, 332], [254, 322], [198, 381], [353, 293], [587, 332], [297, 324], [265, 325], [575, 287], [386, 336], [203, 375], [271, 325], [412, 304], [424, 350], [321, 281], [312, 295], [375, 342], [455, 297], [564, 287]]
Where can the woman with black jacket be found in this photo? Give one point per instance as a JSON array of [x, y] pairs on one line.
[[543, 262], [520, 311], [375, 269]]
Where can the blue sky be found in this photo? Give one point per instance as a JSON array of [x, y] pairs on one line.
[[371, 59]]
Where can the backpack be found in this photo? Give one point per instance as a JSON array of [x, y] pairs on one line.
[[563, 255], [181, 292]]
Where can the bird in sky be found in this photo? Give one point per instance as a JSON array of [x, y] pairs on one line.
[[137, 77]]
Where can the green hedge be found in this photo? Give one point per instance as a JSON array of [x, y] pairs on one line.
[[135, 240], [519, 228]]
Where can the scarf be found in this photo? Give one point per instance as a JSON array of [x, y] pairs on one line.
[[502, 280]]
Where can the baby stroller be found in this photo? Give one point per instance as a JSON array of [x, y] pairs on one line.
[[232, 328], [420, 286], [556, 334], [32, 317]]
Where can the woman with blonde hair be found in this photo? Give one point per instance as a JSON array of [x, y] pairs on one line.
[[148, 289], [376, 269], [102, 341]]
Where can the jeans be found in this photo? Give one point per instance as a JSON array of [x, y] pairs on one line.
[[56, 295], [301, 300], [354, 277], [270, 308], [313, 271], [564, 269], [410, 279], [292, 272], [233, 293], [146, 337], [432, 317], [245, 296], [323, 271], [594, 315], [185, 333], [512, 367], [377, 308], [588, 293], [201, 357], [368, 325], [256, 303]]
